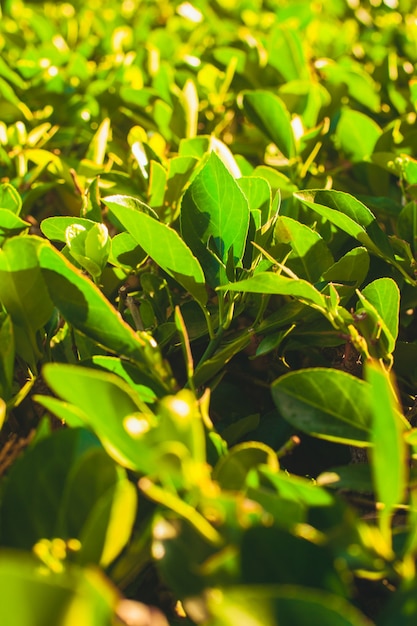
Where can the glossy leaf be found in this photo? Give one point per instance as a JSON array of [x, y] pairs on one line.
[[356, 134], [24, 295], [388, 443], [10, 199], [215, 212], [164, 246], [106, 402], [269, 114], [55, 228], [351, 216], [83, 306], [379, 306], [268, 282], [10, 225], [327, 403], [310, 256]]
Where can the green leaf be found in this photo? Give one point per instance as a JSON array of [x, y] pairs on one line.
[[270, 283], [55, 228], [88, 497], [164, 246], [388, 443], [10, 225], [10, 198], [106, 402], [351, 216], [327, 403], [90, 248], [267, 557], [24, 295], [356, 134], [231, 470], [32, 594], [283, 605], [270, 115], [258, 193], [310, 256], [383, 295], [140, 381], [125, 252], [215, 211], [83, 305], [351, 268], [98, 508], [34, 493]]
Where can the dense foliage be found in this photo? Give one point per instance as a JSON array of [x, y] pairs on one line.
[[208, 238]]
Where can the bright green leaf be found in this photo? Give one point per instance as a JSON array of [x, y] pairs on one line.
[[268, 113], [164, 246]]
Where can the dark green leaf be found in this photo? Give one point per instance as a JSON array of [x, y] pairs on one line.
[[327, 403]]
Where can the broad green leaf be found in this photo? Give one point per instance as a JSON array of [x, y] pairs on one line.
[[277, 180], [351, 216], [129, 202], [141, 382], [164, 246], [125, 252], [279, 605], [356, 134], [32, 594], [359, 83], [83, 306], [350, 270], [290, 487], [24, 295], [258, 193], [268, 113], [270, 283], [384, 295], [310, 256], [388, 443], [179, 173], [285, 47], [215, 211], [325, 402], [64, 411], [10, 225], [107, 402], [10, 199], [55, 228]]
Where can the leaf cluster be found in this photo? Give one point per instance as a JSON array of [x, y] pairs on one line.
[[208, 226]]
